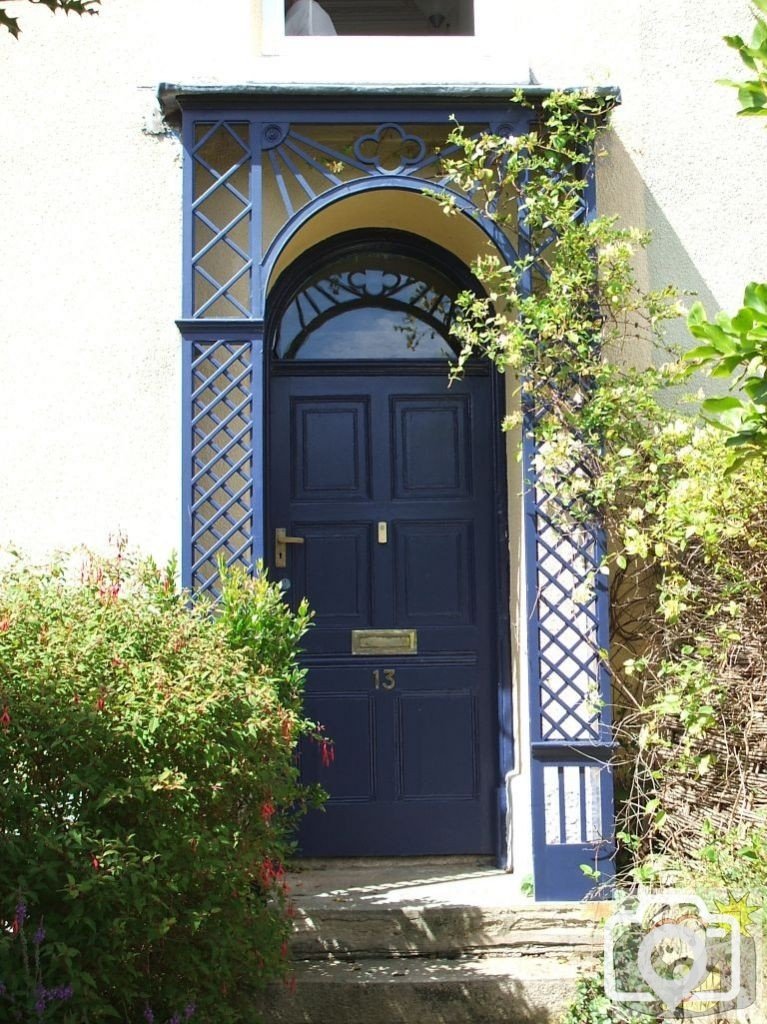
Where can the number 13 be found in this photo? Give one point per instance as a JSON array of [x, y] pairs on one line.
[[389, 680]]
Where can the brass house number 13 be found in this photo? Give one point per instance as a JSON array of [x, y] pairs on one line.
[[384, 679]]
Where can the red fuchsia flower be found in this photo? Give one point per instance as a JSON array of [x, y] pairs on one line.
[[95, 863], [327, 752], [5, 718], [5, 624], [290, 984], [267, 811], [272, 872], [100, 703], [284, 950]]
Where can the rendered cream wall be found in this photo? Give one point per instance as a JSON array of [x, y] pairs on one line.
[[91, 199], [680, 162]]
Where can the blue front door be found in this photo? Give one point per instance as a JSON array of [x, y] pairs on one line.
[[387, 479]]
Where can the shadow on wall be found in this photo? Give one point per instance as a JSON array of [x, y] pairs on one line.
[[622, 190]]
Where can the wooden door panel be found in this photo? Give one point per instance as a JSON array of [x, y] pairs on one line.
[[414, 768], [432, 457], [350, 718], [434, 573], [333, 568], [330, 448], [437, 743]]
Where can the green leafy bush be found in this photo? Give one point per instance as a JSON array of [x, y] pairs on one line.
[[148, 792]]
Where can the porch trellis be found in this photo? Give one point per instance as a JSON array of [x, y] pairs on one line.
[[307, 151]]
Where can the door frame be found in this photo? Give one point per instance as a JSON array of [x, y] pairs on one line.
[[504, 695]]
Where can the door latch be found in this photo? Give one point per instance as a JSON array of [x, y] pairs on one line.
[[281, 540]]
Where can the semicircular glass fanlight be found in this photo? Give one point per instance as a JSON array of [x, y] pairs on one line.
[[363, 304]]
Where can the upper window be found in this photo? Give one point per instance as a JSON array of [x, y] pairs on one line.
[[374, 296], [408, 42], [379, 17]]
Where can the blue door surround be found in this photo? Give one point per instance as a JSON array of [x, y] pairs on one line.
[[238, 140], [391, 482]]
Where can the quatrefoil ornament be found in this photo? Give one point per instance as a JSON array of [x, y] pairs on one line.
[[389, 149]]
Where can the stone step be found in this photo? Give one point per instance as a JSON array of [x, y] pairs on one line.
[[354, 932], [422, 990], [443, 941]]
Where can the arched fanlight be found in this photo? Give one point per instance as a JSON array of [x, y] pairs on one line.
[[370, 295]]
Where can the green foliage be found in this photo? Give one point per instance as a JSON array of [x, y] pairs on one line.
[[688, 556], [736, 860], [548, 314], [736, 348], [11, 23], [752, 93], [590, 1005], [688, 606], [149, 790]]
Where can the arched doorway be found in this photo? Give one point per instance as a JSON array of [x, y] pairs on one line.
[[386, 486]]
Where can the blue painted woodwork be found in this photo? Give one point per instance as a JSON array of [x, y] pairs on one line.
[[570, 705], [415, 766], [235, 144], [356, 441]]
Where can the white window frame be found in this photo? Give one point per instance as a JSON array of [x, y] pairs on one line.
[[494, 32]]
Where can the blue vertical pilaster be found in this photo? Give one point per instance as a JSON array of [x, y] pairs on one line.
[[568, 635]]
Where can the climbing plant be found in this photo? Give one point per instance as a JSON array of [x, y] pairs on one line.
[[584, 345]]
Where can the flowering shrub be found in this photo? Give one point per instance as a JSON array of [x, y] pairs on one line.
[[148, 793]]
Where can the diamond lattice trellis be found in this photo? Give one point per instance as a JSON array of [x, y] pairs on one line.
[[221, 458], [222, 261], [568, 623]]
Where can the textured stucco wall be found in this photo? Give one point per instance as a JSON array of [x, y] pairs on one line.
[[680, 163], [91, 200]]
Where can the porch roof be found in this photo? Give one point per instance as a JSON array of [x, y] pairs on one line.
[[174, 97]]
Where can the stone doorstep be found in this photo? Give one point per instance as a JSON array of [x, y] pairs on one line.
[[449, 931], [441, 941], [465, 990]]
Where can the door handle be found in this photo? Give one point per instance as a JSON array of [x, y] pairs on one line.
[[281, 540]]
